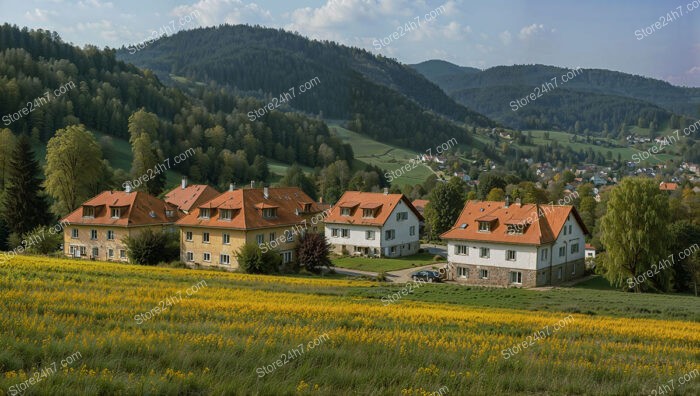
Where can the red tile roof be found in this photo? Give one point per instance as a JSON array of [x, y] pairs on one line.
[[137, 209], [542, 229], [247, 206], [191, 196], [382, 204], [420, 204], [668, 186]]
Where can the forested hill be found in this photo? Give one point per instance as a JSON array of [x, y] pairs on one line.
[[353, 82], [106, 92], [597, 99]]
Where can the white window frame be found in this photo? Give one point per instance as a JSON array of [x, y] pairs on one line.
[[286, 257], [224, 259], [412, 231], [484, 252], [345, 232], [369, 235], [260, 238], [483, 273], [226, 238], [510, 253], [463, 272], [461, 250], [93, 235], [75, 233], [189, 257], [334, 232], [206, 237], [110, 235], [518, 277], [345, 211], [204, 257], [189, 236]]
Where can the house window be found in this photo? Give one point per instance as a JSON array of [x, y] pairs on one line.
[[369, 235], [334, 232], [510, 255], [269, 213], [463, 272], [368, 213], [110, 235], [345, 211], [562, 251], [190, 256], [483, 274], [188, 236], [205, 213], [484, 226], [574, 247], [400, 216], [545, 254], [515, 228], [389, 234], [122, 254], [559, 273], [169, 213], [565, 229], [393, 249], [93, 235], [570, 228], [226, 214], [412, 231], [88, 211], [462, 250], [286, 257], [116, 213], [345, 233], [110, 253], [225, 259], [516, 277], [289, 236], [205, 237], [95, 252], [272, 236], [207, 257], [484, 252], [226, 239], [74, 233], [260, 238]]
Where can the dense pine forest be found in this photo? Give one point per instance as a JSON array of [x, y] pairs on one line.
[[108, 92], [597, 100], [382, 96]]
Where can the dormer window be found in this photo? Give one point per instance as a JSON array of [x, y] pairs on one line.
[[345, 211], [368, 213], [205, 213], [484, 226], [116, 213], [169, 213], [307, 207], [89, 211], [516, 229], [226, 214], [269, 213]]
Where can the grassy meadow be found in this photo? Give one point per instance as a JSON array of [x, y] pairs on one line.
[[384, 264], [225, 333]]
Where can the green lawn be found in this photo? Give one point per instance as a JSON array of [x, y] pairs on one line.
[[384, 264], [383, 155], [594, 297]]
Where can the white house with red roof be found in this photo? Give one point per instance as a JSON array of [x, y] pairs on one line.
[[374, 225], [525, 245]]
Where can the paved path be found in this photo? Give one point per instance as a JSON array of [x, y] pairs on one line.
[[398, 276]]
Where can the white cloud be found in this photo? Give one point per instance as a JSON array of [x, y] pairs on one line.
[[506, 37], [215, 12], [39, 15], [530, 31], [94, 4]]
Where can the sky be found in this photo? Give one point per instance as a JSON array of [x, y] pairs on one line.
[[617, 35]]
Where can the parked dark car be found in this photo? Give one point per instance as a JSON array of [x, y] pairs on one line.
[[428, 276]]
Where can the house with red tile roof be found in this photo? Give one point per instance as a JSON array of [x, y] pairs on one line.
[[663, 186], [524, 245], [187, 196], [99, 226], [374, 225], [272, 218]]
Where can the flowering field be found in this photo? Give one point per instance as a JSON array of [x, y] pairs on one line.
[[142, 330]]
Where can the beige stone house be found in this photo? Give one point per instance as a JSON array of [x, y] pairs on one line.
[[272, 218], [98, 228]]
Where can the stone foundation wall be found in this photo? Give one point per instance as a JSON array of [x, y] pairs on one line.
[[500, 276]]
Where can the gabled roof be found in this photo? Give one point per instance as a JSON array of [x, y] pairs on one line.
[[191, 196], [138, 209], [543, 228], [668, 186], [250, 203], [382, 204], [420, 204]]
